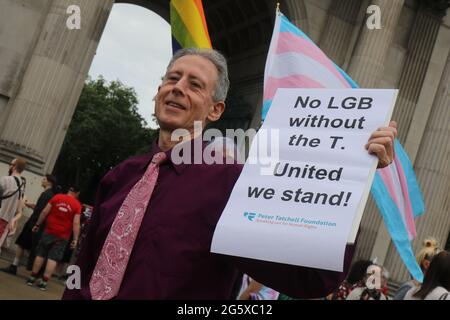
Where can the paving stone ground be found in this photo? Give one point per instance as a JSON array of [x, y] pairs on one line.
[[15, 288]]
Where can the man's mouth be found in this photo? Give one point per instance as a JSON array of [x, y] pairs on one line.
[[175, 105]]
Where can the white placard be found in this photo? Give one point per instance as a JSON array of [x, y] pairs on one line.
[[304, 207]]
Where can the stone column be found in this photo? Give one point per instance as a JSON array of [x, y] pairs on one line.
[[21, 23], [367, 63], [42, 110], [432, 168], [366, 69], [337, 34], [430, 83], [428, 49], [420, 47], [295, 10], [427, 144]]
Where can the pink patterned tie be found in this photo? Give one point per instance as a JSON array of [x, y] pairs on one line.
[[112, 262]]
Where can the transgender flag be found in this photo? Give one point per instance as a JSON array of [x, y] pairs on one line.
[[294, 61], [189, 29]]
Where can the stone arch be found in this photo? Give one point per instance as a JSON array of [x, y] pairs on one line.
[[160, 7], [242, 31]]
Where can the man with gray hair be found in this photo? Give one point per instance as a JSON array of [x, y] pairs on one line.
[[154, 218]]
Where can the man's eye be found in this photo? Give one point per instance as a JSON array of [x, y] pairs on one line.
[[196, 84]]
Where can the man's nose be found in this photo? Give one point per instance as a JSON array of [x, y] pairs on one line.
[[180, 87]]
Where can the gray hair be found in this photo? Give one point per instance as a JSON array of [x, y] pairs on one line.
[[223, 83]]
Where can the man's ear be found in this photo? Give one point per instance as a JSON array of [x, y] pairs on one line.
[[154, 97], [216, 111]]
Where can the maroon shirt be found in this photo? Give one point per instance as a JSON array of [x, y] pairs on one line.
[[171, 258]]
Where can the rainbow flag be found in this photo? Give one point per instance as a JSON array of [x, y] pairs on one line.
[[188, 23], [295, 61]]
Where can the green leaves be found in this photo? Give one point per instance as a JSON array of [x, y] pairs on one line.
[[105, 130]]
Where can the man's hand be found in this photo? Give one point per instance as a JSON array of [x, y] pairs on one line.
[[12, 226], [381, 143], [35, 229], [30, 205]]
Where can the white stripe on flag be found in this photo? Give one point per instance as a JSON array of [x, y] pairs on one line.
[[292, 63]]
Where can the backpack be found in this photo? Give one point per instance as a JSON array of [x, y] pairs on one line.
[[19, 189]]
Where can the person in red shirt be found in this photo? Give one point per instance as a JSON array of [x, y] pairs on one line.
[[63, 217]]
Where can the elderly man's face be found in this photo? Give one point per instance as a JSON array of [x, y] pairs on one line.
[[185, 95]]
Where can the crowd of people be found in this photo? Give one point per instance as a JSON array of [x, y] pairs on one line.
[[50, 235], [52, 232], [361, 282]]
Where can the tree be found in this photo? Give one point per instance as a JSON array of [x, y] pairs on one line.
[[105, 130]]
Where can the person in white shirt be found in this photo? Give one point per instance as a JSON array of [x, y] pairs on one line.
[[373, 292], [12, 188], [436, 284], [429, 250]]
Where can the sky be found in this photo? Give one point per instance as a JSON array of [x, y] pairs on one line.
[[135, 48]]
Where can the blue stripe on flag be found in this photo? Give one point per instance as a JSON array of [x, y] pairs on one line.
[[287, 26], [417, 203], [352, 83], [395, 226], [265, 109]]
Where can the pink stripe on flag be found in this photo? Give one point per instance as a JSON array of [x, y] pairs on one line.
[[297, 81], [386, 176], [289, 42], [410, 225]]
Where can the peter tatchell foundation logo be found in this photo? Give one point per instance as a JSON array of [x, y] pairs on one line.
[[288, 221], [250, 215]]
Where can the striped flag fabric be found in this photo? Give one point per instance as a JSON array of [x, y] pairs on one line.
[[188, 23], [295, 61], [399, 200]]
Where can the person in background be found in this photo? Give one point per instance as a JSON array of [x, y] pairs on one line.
[[12, 190], [253, 290], [429, 250], [28, 240], [8, 236], [355, 278], [436, 284], [63, 217], [384, 282], [85, 220], [368, 290]]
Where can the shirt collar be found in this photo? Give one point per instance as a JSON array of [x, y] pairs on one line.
[[178, 167]]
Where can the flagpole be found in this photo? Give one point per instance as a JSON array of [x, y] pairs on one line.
[[278, 12]]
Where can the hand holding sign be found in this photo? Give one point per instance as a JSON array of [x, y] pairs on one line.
[[303, 211], [381, 143]]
